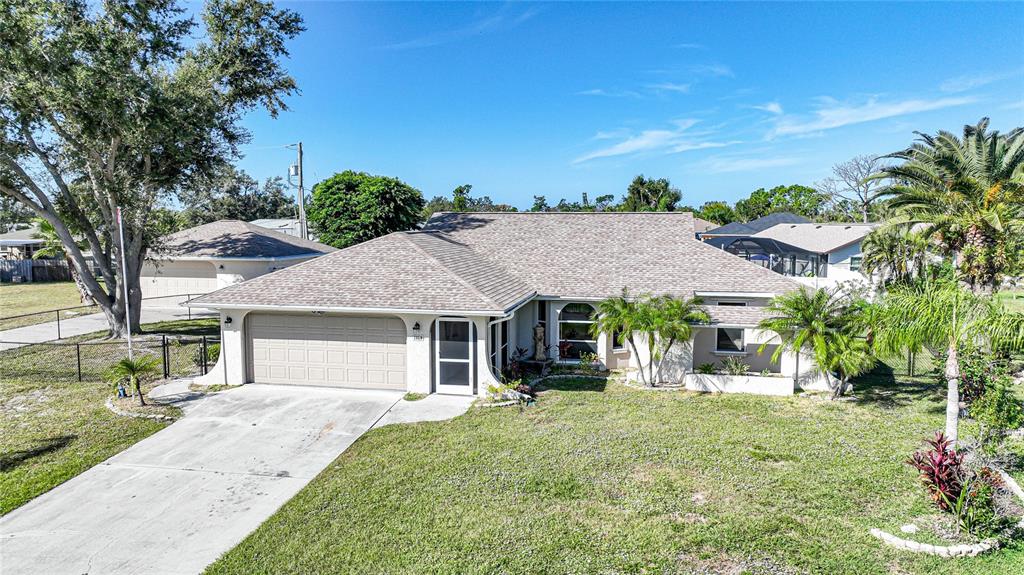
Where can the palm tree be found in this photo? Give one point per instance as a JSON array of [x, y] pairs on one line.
[[895, 254], [53, 247], [848, 356], [662, 321], [969, 194], [618, 317], [820, 322], [133, 372], [940, 315]]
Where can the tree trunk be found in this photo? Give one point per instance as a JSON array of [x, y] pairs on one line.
[[952, 393], [640, 367], [83, 292], [138, 391]]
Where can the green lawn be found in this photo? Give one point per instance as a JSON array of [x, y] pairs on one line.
[[53, 427], [601, 478], [20, 299], [1013, 300]]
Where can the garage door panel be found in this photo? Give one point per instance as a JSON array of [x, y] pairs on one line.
[[344, 351]]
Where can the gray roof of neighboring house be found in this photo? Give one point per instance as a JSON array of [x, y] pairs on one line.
[[275, 223], [760, 224], [21, 237], [488, 262], [412, 271], [235, 239], [818, 238], [701, 225]]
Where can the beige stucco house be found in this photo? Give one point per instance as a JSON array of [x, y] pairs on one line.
[[443, 309], [206, 258]]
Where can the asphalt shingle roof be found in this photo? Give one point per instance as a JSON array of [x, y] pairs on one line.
[[488, 262], [235, 239], [817, 238], [760, 224]]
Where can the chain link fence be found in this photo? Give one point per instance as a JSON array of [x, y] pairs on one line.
[[56, 316], [910, 364], [89, 361]]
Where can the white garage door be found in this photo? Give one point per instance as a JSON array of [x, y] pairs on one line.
[[340, 351], [170, 278]]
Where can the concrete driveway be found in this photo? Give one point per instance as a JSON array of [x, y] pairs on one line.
[[177, 500]]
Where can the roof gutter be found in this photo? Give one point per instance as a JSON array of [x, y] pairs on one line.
[[309, 308], [167, 257]]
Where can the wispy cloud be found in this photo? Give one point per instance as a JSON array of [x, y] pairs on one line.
[[670, 87], [690, 46], [834, 114], [971, 81], [770, 107], [506, 17], [729, 164], [673, 140], [714, 70], [609, 93]]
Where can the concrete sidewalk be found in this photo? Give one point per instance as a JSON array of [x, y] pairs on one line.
[[43, 332], [177, 500]]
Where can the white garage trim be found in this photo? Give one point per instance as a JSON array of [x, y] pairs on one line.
[[365, 352], [175, 278]]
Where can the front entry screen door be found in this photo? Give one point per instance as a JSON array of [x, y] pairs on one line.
[[454, 346]]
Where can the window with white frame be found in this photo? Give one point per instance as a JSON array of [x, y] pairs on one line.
[[574, 338], [855, 262], [499, 346], [729, 340]]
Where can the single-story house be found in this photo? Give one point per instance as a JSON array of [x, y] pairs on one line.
[[20, 244], [290, 226], [222, 253], [445, 309], [746, 229]]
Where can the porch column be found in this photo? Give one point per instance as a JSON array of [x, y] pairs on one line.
[[418, 359], [232, 364], [484, 378]]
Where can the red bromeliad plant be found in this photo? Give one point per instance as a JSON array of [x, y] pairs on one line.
[[941, 470]]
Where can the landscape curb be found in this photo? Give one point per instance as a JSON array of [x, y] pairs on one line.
[[117, 411], [952, 551]]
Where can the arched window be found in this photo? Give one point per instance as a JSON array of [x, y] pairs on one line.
[[574, 336]]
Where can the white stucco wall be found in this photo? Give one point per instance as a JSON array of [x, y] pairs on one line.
[[171, 277]]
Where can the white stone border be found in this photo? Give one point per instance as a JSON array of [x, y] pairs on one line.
[[118, 411], [668, 387], [964, 550]]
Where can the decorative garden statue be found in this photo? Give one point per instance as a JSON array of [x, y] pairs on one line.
[[538, 344]]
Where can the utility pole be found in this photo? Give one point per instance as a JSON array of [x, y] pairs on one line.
[[302, 198]]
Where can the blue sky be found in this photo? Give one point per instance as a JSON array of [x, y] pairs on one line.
[[560, 99]]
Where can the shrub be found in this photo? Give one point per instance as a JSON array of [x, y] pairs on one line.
[[998, 410], [941, 469], [706, 368], [978, 370], [734, 366], [212, 353], [589, 362]]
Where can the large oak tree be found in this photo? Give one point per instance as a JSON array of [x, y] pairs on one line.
[[118, 105]]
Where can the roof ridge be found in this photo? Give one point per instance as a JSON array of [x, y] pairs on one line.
[[406, 235]]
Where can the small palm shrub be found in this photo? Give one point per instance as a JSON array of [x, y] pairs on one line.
[[734, 366], [589, 363], [133, 372], [706, 368]]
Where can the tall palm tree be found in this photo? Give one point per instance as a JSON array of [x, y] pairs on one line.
[[941, 315], [969, 194], [812, 322], [53, 247], [133, 372], [895, 254]]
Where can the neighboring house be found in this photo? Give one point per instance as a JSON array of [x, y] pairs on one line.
[[701, 226], [283, 225], [744, 229], [219, 254], [20, 244], [444, 309], [818, 255]]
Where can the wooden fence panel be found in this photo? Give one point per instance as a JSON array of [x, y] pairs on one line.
[[34, 270]]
